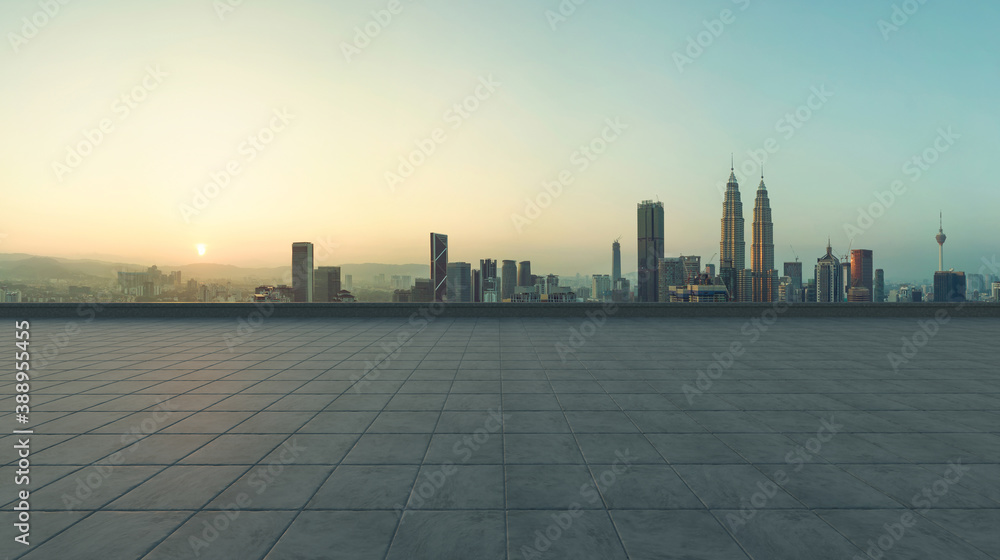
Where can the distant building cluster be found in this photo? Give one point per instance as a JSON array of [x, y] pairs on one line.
[[309, 284], [147, 284], [10, 296], [851, 277]]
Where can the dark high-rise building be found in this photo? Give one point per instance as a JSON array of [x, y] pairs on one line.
[[845, 277], [829, 286], [477, 285], [879, 290], [793, 270], [439, 265], [508, 279], [459, 282], [326, 283], [949, 286], [710, 270], [616, 261], [302, 272], [524, 274], [649, 218], [862, 272], [765, 276], [489, 282], [423, 290], [670, 275], [732, 248]]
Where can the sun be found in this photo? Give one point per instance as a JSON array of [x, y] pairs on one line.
[[201, 249]]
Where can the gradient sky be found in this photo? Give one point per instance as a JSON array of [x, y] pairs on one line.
[[323, 176]]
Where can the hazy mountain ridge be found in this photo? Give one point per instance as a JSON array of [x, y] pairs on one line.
[[34, 268]]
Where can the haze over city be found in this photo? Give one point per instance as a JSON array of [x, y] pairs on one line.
[[316, 112]]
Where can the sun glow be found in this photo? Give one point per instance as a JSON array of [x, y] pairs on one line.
[[201, 249]]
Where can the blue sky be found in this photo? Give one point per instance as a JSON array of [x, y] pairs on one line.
[[322, 172]]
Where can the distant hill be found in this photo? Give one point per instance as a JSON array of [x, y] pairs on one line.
[[43, 269], [32, 268], [367, 271]]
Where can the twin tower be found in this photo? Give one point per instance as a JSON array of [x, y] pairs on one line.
[[760, 282]]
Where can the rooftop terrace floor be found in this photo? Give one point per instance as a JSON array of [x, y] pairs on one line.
[[511, 438]]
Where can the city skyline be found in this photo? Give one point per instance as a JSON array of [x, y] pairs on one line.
[[279, 80]]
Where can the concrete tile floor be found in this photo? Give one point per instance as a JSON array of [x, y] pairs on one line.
[[510, 438]]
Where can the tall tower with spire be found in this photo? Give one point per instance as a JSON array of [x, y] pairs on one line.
[[732, 248], [941, 237], [765, 277]]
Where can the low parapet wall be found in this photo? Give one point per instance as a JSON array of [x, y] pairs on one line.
[[37, 311]]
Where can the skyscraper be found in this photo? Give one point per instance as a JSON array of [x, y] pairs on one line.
[[601, 287], [326, 285], [845, 277], [459, 282], [829, 286], [793, 270], [878, 295], [949, 286], [302, 272], [439, 265], [941, 237], [862, 270], [508, 280], [649, 218], [489, 283], [671, 273], [765, 277], [616, 262], [524, 274], [732, 248], [477, 285], [423, 290]]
